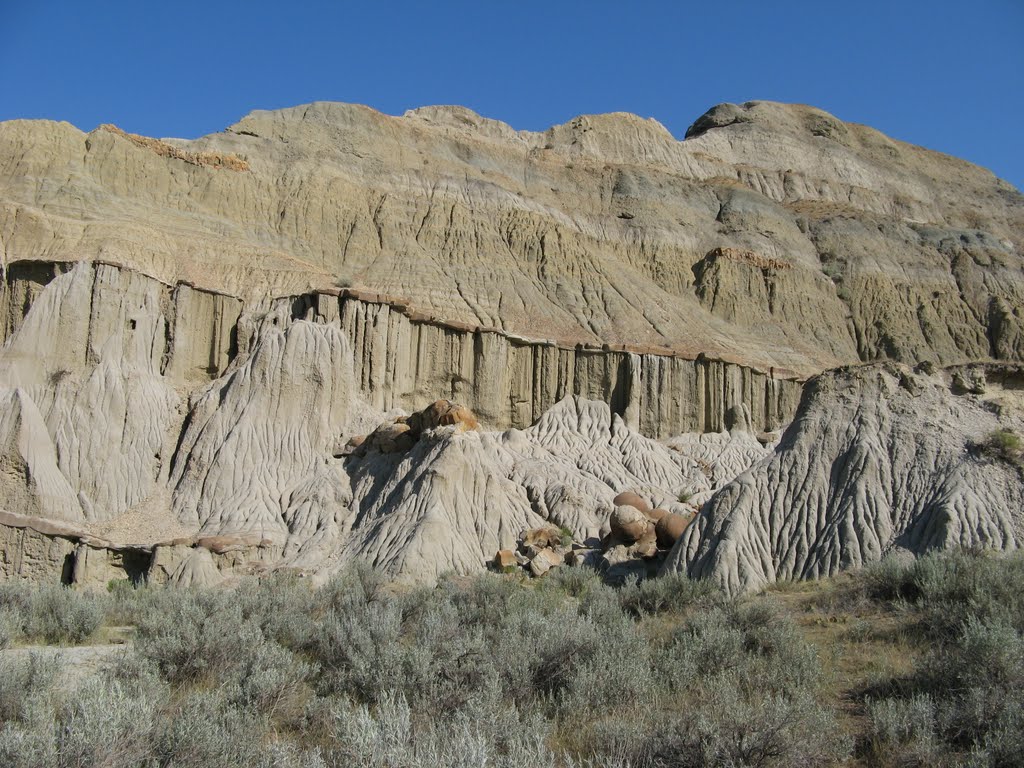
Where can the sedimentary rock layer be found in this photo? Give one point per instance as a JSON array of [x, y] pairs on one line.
[[192, 329], [165, 430], [401, 359], [775, 236], [510, 380]]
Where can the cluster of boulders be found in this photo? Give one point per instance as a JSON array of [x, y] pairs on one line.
[[639, 537], [540, 550], [401, 434]]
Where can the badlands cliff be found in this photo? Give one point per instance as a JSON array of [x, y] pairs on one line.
[[879, 460], [193, 331], [773, 235]]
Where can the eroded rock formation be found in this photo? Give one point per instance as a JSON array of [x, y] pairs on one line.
[[879, 459], [774, 235], [199, 336], [193, 446]]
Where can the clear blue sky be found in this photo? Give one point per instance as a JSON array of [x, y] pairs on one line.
[[946, 75]]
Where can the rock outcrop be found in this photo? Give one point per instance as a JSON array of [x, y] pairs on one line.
[[400, 359], [458, 496], [774, 236], [326, 335], [879, 459], [133, 436]]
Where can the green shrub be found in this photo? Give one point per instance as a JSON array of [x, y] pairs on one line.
[[957, 586], [950, 587], [745, 682], [965, 701], [473, 672], [359, 649], [281, 605], [574, 582], [890, 580], [671, 593], [385, 737], [902, 731], [24, 679], [1004, 444], [51, 613], [105, 724], [273, 682], [731, 727], [10, 628], [206, 730]]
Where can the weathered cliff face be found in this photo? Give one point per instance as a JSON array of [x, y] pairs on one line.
[[180, 365], [879, 459], [178, 433], [510, 380], [186, 449], [401, 358], [85, 367], [773, 236]]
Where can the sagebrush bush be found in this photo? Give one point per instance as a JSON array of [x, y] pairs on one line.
[[359, 649], [273, 681], [890, 579], [281, 605], [490, 671], [574, 582], [10, 628], [950, 587], [23, 680], [955, 587], [384, 737], [669, 593], [206, 730], [732, 727], [903, 730], [1004, 444], [196, 636], [51, 613], [733, 685], [963, 703], [106, 724]]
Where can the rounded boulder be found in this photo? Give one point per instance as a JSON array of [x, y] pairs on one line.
[[670, 527], [630, 499], [656, 514], [628, 524]]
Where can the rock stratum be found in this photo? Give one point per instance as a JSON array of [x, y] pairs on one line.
[[773, 235], [138, 433], [217, 352]]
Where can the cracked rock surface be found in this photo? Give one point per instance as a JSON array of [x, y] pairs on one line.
[[878, 459]]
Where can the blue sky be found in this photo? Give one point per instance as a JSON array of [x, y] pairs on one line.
[[946, 75]]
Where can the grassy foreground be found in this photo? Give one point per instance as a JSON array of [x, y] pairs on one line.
[[916, 664]]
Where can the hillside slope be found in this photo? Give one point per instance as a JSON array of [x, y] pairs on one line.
[[772, 235]]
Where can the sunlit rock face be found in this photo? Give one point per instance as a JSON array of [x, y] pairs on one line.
[[213, 348]]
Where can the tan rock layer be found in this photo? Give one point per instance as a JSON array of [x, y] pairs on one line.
[[163, 149], [773, 235], [509, 381], [403, 358]]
